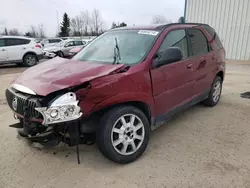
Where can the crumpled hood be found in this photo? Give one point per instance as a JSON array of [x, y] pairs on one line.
[[59, 73]]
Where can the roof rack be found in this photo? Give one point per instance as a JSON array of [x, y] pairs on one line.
[[167, 25]]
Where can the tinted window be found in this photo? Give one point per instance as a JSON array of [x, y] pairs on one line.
[[218, 42], [78, 43], [2, 43], [215, 36], [175, 38], [15, 42], [198, 42], [71, 43], [54, 40]]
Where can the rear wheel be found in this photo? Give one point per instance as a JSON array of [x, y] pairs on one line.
[[123, 134], [215, 93], [29, 60]]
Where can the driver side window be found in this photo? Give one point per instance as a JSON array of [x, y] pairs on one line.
[[69, 44], [175, 38]]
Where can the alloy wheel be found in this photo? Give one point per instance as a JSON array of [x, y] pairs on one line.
[[127, 134]]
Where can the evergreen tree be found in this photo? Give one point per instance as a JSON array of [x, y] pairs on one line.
[[65, 26]]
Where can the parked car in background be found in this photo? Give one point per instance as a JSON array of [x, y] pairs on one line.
[[122, 85], [50, 42], [62, 48], [74, 51], [20, 50]]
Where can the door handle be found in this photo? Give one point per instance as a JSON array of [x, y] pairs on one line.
[[213, 57], [3, 49], [189, 66], [24, 48]]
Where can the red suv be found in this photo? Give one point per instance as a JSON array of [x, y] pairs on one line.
[[125, 83]]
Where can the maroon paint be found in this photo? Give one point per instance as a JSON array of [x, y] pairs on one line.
[[161, 89]]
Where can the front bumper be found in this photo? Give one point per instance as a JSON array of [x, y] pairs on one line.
[[49, 54], [39, 56]]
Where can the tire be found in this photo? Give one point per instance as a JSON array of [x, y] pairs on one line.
[[60, 54], [29, 60], [214, 91], [110, 144]]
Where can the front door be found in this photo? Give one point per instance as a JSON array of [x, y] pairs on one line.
[[3, 51], [68, 46], [173, 83]]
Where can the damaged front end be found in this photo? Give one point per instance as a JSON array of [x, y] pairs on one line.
[[46, 119]]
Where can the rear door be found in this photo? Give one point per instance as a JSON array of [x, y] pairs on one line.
[[3, 51], [173, 83], [204, 60], [16, 48]]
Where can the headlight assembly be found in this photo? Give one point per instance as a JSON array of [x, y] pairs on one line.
[[64, 108]]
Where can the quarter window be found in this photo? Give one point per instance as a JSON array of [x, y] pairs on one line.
[[198, 42], [175, 38]]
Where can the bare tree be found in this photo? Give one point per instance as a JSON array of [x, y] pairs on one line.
[[41, 32], [160, 19], [33, 32], [14, 32], [97, 22], [86, 21], [77, 26]]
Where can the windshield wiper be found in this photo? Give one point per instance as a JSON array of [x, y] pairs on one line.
[[117, 55]]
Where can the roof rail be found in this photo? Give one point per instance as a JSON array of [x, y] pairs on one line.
[[167, 25]]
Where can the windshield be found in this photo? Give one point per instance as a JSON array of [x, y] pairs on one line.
[[133, 46], [59, 44]]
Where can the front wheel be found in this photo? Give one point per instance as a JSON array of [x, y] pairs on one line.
[[123, 134], [60, 54]]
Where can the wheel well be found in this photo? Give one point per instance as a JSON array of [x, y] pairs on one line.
[[140, 105], [30, 53], [221, 75]]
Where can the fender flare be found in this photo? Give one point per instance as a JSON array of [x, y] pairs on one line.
[[30, 52]]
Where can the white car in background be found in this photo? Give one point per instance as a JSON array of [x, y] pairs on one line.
[[20, 50], [63, 48], [50, 42]]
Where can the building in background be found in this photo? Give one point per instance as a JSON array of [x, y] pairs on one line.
[[231, 20]]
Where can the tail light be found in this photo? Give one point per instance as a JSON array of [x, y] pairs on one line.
[[38, 46]]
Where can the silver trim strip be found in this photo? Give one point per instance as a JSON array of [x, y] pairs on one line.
[[23, 89]]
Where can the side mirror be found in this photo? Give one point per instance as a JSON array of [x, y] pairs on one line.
[[170, 55]]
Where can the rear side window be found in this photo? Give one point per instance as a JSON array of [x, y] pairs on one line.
[[175, 38], [78, 43], [198, 42], [2, 43], [15, 42], [54, 40]]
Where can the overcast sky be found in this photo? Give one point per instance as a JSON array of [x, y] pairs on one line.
[[22, 14]]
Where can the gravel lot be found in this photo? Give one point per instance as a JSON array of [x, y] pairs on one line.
[[202, 147]]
